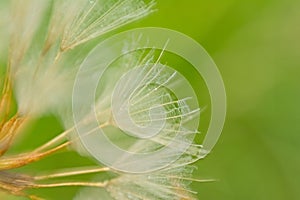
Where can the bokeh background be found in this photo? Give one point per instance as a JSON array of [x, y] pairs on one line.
[[256, 45]]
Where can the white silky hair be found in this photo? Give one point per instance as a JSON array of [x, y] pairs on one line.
[[41, 71], [164, 127], [145, 87], [167, 184], [145, 91], [99, 16], [40, 90], [171, 183]]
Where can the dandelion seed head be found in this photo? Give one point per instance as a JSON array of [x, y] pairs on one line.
[[139, 97]]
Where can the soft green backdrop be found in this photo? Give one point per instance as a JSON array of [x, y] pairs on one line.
[[256, 45]]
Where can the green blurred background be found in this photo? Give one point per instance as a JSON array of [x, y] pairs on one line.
[[256, 45]]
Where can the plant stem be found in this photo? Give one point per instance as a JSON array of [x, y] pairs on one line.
[[55, 140], [63, 135], [72, 173], [68, 184], [24, 159]]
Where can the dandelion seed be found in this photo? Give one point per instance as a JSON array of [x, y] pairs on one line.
[[96, 18], [171, 183], [62, 13]]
